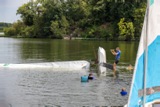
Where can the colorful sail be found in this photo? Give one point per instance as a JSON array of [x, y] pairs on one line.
[[152, 20]]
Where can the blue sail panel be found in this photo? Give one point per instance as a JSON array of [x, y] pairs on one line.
[[153, 75], [153, 70], [137, 84]]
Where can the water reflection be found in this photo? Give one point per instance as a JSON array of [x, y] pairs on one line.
[[44, 50]]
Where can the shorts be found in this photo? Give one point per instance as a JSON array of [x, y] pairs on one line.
[[116, 61]]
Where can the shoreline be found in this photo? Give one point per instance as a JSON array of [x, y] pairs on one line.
[[73, 38]]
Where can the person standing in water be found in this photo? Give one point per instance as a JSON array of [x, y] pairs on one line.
[[117, 54]]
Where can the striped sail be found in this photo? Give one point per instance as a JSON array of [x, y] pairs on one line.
[[153, 60]]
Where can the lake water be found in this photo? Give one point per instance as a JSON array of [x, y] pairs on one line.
[[50, 88]]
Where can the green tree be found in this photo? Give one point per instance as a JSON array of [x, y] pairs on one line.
[[126, 29], [55, 28], [59, 28], [139, 18], [98, 9], [86, 18], [27, 13], [15, 29]]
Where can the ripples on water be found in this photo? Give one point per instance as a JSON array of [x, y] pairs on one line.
[[50, 88]]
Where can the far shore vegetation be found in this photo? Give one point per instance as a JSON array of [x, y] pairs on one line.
[[85, 19]]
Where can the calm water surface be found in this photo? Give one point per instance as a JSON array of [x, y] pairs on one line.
[[50, 88]]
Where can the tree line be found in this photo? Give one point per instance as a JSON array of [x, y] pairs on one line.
[[2, 25], [107, 19]]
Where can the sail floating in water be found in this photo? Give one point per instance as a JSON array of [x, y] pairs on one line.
[[150, 55]]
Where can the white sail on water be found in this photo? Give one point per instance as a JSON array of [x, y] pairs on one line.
[[101, 59], [151, 29]]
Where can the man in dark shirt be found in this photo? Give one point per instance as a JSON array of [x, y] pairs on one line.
[[117, 55]]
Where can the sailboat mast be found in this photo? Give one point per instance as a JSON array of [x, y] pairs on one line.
[[146, 53]]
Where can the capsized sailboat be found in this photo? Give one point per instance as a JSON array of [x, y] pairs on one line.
[[145, 88], [63, 65], [103, 66]]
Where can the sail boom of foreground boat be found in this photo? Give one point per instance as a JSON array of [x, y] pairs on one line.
[[145, 88]]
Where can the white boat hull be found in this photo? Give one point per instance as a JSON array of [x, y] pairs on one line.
[[72, 65]]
